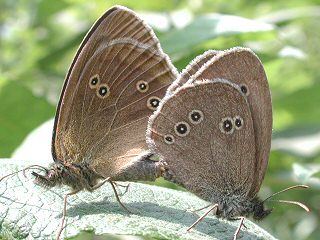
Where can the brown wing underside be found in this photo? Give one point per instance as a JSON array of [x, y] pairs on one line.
[[206, 160], [242, 66], [100, 122]]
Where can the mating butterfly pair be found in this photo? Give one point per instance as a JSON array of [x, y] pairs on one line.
[[212, 129]]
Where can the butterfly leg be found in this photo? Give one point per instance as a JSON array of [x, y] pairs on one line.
[[124, 186], [202, 217], [99, 184], [236, 219], [114, 190], [64, 214], [117, 197], [199, 209], [239, 228]]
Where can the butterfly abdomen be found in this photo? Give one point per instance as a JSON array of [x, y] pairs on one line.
[[143, 169]]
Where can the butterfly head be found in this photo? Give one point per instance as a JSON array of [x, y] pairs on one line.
[[52, 177], [259, 210], [77, 177]]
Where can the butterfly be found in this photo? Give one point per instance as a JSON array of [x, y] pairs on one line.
[[213, 132], [115, 82]]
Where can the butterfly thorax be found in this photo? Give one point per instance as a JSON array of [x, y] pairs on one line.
[[234, 206], [78, 177]]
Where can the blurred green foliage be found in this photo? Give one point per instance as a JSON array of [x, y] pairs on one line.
[[38, 39]]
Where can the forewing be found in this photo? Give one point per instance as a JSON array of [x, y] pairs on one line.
[[206, 160], [243, 67], [191, 69], [113, 85]]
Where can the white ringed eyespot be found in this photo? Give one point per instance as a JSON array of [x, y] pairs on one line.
[[142, 86], [94, 81], [226, 125], [182, 128], [244, 89], [196, 116], [168, 139], [153, 102], [238, 122], [103, 91]]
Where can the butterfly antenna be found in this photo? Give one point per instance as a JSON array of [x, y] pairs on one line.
[[24, 171], [10, 174], [294, 203], [284, 190], [34, 167], [287, 201]]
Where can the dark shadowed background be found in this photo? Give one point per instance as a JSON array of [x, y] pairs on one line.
[[38, 39]]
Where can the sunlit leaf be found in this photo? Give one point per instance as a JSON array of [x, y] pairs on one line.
[[20, 112], [208, 27], [31, 212]]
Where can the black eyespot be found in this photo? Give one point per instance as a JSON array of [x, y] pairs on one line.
[[103, 91], [169, 139], [182, 129], [153, 103], [94, 81], [244, 89], [196, 116], [226, 125], [238, 122], [142, 86]]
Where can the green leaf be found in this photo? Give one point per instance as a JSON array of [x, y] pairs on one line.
[[304, 173], [31, 212], [20, 112], [207, 27], [55, 55], [299, 108]]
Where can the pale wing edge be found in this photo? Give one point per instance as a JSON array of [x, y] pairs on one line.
[[177, 83]]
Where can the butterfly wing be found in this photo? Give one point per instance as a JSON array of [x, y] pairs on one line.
[[115, 82], [190, 132], [192, 68], [242, 67]]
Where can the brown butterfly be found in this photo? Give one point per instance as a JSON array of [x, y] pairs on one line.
[[213, 130], [115, 82]]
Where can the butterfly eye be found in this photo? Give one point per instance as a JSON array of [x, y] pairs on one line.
[[196, 116], [94, 81], [182, 129], [103, 91], [153, 103], [226, 125], [169, 139], [238, 122], [244, 89], [142, 86]]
